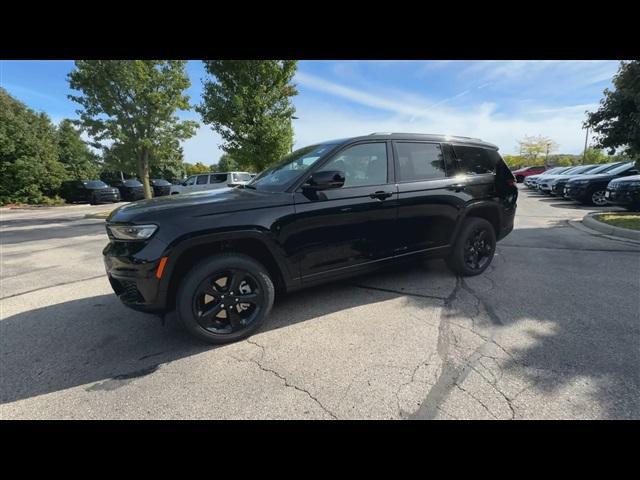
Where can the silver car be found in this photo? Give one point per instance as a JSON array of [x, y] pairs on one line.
[[211, 181]]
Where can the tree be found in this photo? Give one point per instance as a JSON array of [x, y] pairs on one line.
[[593, 156], [133, 104], [29, 168], [617, 120], [248, 102], [79, 161], [533, 147], [227, 163], [199, 167]]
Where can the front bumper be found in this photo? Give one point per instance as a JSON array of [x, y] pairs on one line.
[[575, 192], [131, 269], [622, 197]]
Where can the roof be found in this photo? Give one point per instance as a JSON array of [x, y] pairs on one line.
[[418, 136]]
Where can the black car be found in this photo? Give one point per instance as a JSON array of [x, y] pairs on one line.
[[92, 191], [130, 190], [557, 185], [328, 211], [624, 191], [160, 187], [591, 189]]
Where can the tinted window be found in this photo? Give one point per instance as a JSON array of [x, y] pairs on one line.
[[475, 160], [218, 178], [202, 179], [132, 183], [190, 181], [419, 161], [621, 168], [364, 164]]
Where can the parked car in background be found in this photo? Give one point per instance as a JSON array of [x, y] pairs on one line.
[[591, 189], [524, 172], [327, 211], [532, 180], [160, 187], [558, 184], [92, 191], [211, 181], [544, 183], [130, 190], [624, 191]]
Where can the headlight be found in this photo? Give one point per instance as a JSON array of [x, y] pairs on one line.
[[132, 232]]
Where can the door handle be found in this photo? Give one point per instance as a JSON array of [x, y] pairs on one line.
[[380, 195], [456, 187]]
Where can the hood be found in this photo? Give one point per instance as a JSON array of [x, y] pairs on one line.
[[630, 178], [596, 176], [198, 204]]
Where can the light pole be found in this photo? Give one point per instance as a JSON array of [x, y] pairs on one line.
[[293, 118], [584, 154]]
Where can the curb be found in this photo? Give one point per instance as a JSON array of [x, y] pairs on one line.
[[602, 227]]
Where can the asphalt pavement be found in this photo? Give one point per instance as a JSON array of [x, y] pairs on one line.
[[550, 331]]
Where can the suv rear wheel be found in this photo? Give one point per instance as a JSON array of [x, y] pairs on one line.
[[225, 298], [474, 248]]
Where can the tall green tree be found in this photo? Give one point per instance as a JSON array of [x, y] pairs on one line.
[[133, 103], [617, 120], [29, 168], [248, 102], [194, 169], [79, 161], [227, 163]]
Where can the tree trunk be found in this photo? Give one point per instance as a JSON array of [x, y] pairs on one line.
[[143, 172]]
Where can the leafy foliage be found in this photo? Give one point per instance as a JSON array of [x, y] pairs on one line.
[[79, 161], [199, 167], [532, 148], [133, 104], [29, 168], [617, 120], [248, 103], [227, 163]]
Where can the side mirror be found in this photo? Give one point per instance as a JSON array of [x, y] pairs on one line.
[[324, 180]]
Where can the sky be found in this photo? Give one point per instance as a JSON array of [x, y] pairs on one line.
[[497, 101]]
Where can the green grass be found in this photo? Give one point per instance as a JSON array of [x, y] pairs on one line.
[[622, 220]]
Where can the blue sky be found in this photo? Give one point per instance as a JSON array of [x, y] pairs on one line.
[[498, 101]]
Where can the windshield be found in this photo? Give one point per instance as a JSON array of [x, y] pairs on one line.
[[583, 169], [292, 167], [621, 168], [555, 170], [242, 177], [95, 184], [160, 182], [605, 168], [132, 183]]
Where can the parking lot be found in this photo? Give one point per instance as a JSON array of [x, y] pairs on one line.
[[551, 330]]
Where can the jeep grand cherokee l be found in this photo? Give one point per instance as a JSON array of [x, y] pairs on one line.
[[591, 189], [327, 211]]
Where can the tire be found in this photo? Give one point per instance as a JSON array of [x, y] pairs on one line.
[[194, 306], [595, 196], [519, 179], [457, 260]]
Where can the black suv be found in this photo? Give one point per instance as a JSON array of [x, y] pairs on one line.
[[92, 191], [160, 187], [591, 189], [130, 190], [325, 212]]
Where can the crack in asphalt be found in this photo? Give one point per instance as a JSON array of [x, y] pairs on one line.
[[400, 292], [282, 377]]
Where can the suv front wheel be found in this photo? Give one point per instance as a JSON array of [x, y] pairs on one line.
[[474, 248], [225, 298]]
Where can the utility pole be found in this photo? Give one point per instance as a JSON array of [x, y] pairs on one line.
[[584, 154]]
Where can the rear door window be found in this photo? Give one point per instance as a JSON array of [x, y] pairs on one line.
[[218, 178], [419, 161], [476, 160], [202, 179]]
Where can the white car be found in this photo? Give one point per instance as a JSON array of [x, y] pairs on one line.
[[211, 181]]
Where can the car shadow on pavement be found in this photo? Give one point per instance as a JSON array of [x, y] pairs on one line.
[[575, 333]]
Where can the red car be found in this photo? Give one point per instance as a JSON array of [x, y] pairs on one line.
[[523, 172]]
